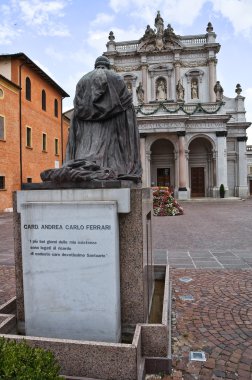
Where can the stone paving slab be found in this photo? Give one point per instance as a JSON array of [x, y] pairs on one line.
[[218, 322]]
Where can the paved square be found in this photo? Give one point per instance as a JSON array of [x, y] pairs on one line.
[[210, 234]]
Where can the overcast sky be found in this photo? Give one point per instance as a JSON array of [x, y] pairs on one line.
[[65, 36]]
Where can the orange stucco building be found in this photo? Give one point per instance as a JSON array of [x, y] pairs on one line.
[[32, 130]]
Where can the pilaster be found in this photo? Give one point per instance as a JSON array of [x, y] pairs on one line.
[[242, 188], [221, 160], [212, 78]]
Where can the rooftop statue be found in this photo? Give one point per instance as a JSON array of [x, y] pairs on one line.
[[103, 140], [160, 38], [159, 24]]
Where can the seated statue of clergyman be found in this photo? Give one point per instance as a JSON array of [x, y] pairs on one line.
[[103, 138]]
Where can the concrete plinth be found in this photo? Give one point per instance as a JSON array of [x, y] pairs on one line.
[[58, 275]]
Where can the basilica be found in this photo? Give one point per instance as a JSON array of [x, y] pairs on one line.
[[192, 137]]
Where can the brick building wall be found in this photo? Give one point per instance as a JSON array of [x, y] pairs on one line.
[[40, 121], [9, 143], [45, 125]]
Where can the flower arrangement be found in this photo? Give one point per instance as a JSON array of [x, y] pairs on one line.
[[164, 203]]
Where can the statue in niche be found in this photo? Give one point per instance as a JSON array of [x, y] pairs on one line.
[[218, 91], [194, 89], [161, 90], [140, 93], [103, 141], [180, 91], [129, 87]]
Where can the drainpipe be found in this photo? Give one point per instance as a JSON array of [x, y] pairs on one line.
[[20, 125]]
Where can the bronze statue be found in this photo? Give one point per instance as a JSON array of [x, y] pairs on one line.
[[103, 140]]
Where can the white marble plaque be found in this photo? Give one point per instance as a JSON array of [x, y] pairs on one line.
[[71, 270]]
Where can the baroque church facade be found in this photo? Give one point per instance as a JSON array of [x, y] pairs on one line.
[[192, 137]]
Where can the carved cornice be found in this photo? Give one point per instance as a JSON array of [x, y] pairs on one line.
[[127, 68]]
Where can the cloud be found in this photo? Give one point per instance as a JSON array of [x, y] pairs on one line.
[[56, 55], [43, 16], [8, 33], [98, 38], [238, 12], [44, 68], [181, 11], [101, 19], [248, 106]]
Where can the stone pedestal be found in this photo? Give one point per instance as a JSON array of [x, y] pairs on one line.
[[83, 262], [183, 195]]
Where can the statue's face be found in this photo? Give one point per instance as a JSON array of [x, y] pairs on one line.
[[101, 66]]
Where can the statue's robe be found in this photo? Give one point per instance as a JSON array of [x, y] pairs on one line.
[[103, 126]]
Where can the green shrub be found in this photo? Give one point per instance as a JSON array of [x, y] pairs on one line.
[[18, 361]]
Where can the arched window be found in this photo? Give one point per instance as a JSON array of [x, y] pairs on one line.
[[56, 108], [43, 100], [28, 88]]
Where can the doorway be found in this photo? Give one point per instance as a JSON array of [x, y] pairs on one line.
[[197, 182], [163, 177]]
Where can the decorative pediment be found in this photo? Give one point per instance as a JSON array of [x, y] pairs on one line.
[[160, 38], [190, 74]]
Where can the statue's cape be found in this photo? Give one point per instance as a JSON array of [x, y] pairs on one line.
[[100, 95]]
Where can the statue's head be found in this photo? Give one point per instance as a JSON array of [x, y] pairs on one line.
[[102, 62]]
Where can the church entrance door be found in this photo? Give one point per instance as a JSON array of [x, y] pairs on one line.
[[197, 182], [163, 177]]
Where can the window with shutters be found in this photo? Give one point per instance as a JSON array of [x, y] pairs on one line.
[[28, 137], [28, 89], [2, 128]]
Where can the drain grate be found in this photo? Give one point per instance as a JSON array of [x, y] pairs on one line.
[[185, 279], [187, 297], [199, 356]]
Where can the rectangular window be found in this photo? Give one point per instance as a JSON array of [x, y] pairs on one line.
[[2, 130], [44, 142], [28, 137], [56, 146], [2, 182], [29, 180]]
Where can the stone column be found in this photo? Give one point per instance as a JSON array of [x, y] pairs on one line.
[[242, 188], [153, 89], [214, 168], [169, 86], [148, 168], [182, 193], [221, 161], [143, 160], [144, 76], [177, 72], [134, 95], [212, 78], [176, 174]]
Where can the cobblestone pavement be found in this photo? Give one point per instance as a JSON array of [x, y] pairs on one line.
[[217, 321]]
